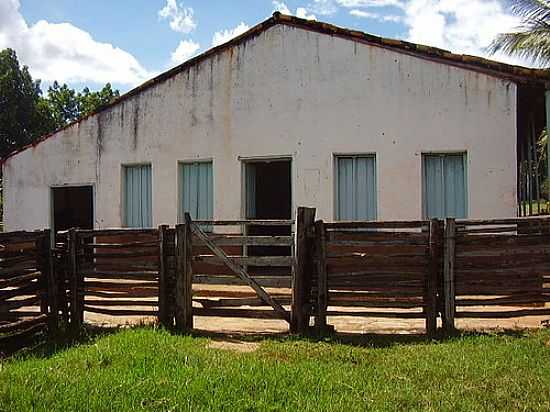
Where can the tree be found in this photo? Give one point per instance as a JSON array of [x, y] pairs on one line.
[[66, 105], [532, 40], [23, 112]]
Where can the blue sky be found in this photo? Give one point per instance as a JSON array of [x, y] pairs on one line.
[[126, 42]]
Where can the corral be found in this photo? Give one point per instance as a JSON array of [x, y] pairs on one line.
[[420, 274]]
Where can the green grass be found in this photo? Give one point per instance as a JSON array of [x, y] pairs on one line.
[[146, 369]]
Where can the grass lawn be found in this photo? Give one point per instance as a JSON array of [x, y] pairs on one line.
[[147, 369]]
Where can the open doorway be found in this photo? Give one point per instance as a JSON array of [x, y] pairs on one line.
[[73, 206], [268, 196]]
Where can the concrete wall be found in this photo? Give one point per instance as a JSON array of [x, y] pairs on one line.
[[286, 92]]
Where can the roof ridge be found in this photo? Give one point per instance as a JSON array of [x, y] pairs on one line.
[[465, 61]]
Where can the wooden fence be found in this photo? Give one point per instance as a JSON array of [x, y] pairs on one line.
[[496, 269], [378, 270], [234, 269], [26, 307], [116, 273], [264, 270]]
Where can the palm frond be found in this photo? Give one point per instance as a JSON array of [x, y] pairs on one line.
[[532, 40], [533, 45], [531, 9]]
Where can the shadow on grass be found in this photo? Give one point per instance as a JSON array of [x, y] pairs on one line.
[[88, 334], [367, 340]]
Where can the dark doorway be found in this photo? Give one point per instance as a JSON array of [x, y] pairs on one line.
[[73, 206], [269, 197]]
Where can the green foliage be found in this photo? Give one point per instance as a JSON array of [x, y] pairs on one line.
[[152, 370], [25, 114], [66, 105], [532, 40]]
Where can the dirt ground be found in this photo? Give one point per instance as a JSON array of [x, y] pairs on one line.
[[344, 324]]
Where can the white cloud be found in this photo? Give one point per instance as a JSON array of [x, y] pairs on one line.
[[376, 16], [323, 7], [185, 50], [221, 37], [301, 12], [181, 18], [64, 52], [463, 26], [371, 3]]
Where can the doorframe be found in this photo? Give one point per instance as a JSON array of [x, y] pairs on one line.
[[67, 185], [267, 159]]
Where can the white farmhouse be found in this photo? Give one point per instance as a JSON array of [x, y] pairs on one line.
[[291, 113]]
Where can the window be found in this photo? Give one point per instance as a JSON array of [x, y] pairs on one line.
[[444, 184], [196, 190], [137, 197], [355, 188]]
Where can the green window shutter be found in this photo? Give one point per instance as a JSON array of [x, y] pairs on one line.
[[356, 188], [445, 186], [137, 208], [196, 190]]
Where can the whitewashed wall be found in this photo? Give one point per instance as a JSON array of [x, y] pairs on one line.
[[287, 92]]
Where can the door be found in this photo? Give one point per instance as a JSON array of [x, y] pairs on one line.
[[73, 207]]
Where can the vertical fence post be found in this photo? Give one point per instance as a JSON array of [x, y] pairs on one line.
[[432, 277], [77, 310], [188, 272], [184, 276], [164, 312], [301, 280], [449, 276], [322, 282], [42, 266], [48, 271]]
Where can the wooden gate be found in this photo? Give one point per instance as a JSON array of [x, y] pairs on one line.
[[225, 272]]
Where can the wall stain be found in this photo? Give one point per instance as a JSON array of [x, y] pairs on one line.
[[211, 92], [194, 87], [135, 129], [99, 145]]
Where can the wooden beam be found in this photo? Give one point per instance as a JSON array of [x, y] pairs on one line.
[[164, 310], [430, 288], [449, 276], [322, 282], [301, 279], [188, 272], [240, 271]]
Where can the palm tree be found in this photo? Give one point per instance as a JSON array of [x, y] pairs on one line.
[[532, 40]]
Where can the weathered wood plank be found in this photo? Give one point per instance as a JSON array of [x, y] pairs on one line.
[[281, 261], [120, 312], [503, 314], [119, 302], [22, 324], [373, 314], [449, 305], [241, 272], [238, 240], [413, 224], [230, 280], [239, 313]]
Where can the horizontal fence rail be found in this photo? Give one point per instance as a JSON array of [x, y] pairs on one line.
[[377, 269], [228, 273], [115, 272], [496, 268], [26, 307], [290, 270]]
